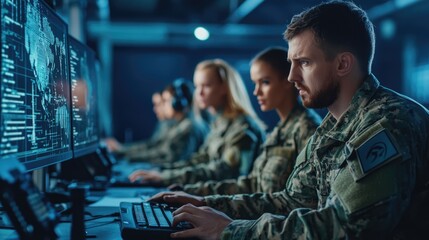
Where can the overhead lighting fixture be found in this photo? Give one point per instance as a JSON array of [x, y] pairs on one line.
[[201, 33]]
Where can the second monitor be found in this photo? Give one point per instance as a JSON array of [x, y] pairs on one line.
[[89, 163], [84, 98]]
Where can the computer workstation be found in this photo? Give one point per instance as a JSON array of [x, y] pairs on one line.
[[35, 121], [49, 122], [35, 90]]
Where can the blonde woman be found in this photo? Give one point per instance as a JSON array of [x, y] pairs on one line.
[[269, 70], [235, 134]]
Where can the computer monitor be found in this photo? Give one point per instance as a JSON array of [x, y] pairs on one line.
[[83, 77], [35, 121], [90, 163]]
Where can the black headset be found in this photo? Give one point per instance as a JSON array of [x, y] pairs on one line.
[[183, 91]]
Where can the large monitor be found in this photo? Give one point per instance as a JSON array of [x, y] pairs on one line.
[[84, 98], [35, 121]]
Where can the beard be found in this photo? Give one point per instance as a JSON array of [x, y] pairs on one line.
[[322, 98]]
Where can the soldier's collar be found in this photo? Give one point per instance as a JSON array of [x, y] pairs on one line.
[[218, 114], [218, 117], [341, 130]]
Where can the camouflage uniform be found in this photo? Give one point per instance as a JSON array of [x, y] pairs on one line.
[[158, 135], [364, 176], [229, 151], [181, 140], [275, 163]]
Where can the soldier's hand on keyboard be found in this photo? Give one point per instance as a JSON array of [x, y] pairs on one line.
[[207, 222], [145, 176], [178, 198]]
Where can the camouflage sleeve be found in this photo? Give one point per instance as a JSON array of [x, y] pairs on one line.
[[226, 187], [197, 158], [153, 141], [362, 204], [176, 147], [272, 166], [238, 152], [148, 155], [134, 147], [280, 160], [216, 170], [300, 192], [296, 225]]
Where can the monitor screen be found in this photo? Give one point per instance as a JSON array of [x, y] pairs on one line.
[[35, 121], [84, 95]]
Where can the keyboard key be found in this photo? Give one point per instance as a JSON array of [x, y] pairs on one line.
[[160, 216], [169, 216], [138, 211], [149, 215]]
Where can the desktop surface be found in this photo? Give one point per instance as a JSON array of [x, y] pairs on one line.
[[101, 228], [107, 208]]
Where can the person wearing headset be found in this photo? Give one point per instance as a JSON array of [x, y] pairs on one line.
[[269, 70], [186, 133], [364, 172], [235, 131], [161, 129]]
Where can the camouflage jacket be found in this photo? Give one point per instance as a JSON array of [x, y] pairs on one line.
[[273, 166], [363, 176], [182, 139], [228, 151], [158, 135]]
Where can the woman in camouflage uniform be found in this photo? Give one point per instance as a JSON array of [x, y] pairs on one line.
[[234, 137], [269, 71]]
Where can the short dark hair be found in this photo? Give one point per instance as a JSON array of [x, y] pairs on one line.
[[338, 26], [276, 57]]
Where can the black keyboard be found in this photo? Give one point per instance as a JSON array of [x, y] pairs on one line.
[[147, 220]]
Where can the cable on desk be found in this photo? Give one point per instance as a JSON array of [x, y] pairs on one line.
[[94, 217]]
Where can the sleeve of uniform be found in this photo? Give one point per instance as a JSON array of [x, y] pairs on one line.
[[240, 150], [299, 224], [177, 147], [369, 195], [216, 170], [134, 147], [236, 154], [196, 158], [153, 141], [300, 192], [227, 187]]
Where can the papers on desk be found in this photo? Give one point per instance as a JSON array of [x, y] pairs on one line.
[[114, 201]]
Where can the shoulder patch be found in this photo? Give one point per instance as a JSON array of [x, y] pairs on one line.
[[376, 151]]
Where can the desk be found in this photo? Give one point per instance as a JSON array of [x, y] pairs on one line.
[[101, 228], [106, 228]]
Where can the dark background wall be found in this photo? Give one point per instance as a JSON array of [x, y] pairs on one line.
[[137, 70]]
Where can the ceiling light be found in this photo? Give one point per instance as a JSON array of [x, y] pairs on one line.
[[201, 33]]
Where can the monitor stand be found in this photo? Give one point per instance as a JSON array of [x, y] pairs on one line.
[[41, 179]]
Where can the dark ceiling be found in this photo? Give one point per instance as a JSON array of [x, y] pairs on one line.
[[256, 13], [157, 22], [224, 11], [211, 11]]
